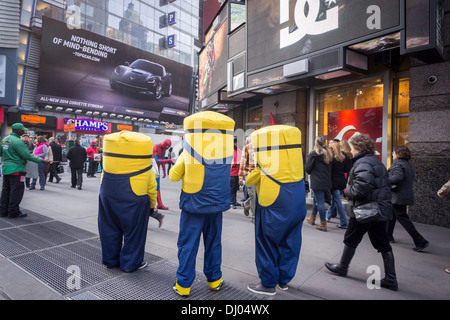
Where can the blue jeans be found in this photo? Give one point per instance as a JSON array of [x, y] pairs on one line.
[[319, 203], [41, 175], [337, 203]]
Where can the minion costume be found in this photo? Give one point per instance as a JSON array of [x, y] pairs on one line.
[[204, 167], [127, 196], [280, 204]]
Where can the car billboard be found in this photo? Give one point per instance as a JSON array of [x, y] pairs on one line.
[[83, 70]]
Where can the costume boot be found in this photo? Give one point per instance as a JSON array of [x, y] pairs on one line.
[[341, 268], [390, 278], [311, 219], [160, 204], [322, 226]]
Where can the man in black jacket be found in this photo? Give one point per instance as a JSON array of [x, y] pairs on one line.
[[57, 158], [77, 156]]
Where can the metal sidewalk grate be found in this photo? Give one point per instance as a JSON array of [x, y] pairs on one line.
[[155, 283], [49, 250]]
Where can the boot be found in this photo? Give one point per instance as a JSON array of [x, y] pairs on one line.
[[322, 226], [160, 204], [341, 268], [390, 278], [311, 219]]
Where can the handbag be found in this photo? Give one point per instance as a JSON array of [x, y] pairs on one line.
[[367, 212], [60, 169]]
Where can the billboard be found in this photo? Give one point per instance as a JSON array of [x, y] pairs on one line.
[[213, 62], [83, 70], [345, 124], [280, 30]]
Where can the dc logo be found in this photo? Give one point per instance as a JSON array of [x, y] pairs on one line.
[[307, 23]]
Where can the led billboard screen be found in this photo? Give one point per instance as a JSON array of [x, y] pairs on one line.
[[83, 70], [280, 30], [213, 62]]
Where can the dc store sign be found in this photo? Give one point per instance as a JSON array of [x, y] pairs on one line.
[[88, 125]]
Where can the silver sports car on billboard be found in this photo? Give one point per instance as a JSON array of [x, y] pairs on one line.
[[144, 77]]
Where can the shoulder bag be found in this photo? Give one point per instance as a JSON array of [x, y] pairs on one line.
[[367, 212]]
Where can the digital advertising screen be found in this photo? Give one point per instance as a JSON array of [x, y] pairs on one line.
[[83, 70], [280, 30], [213, 62]]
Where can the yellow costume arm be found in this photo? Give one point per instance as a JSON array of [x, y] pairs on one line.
[[177, 171], [253, 177], [152, 189]]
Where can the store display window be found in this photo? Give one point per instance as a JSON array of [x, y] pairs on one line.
[[352, 109]]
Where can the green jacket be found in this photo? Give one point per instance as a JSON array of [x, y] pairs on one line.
[[15, 154]]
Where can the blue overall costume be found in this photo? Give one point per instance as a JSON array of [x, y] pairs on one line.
[[280, 204], [201, 212], [205, 195], [278, 230], [125, 200]]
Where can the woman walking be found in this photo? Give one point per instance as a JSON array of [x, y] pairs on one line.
[[401, 176], [318, 166], [340, 166], [368, 182]]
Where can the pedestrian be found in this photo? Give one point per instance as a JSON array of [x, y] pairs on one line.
[[30, 146], [318, 166], [41, 151], [155, 213], [126, 199], [280, 207], [14, 155], [77, 157], [49, 157], [345, 147], [246, 166], [340, 166], [368, 182], [91, 152], [159, 150], [445, 189], [57, 158], [205, 195], [234, 175], [401, 176], [170, 155]]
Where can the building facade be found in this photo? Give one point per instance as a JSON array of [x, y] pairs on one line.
[[164, 32], [338, 68]]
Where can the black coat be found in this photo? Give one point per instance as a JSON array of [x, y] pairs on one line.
[[369, 181], [77, 156], [320, 173], [401, 175], [57, 151], [338, 171]]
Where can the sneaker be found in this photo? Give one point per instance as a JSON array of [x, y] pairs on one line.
[[283, 287], [218, 287], [58, 180], [447, 270], [341, 226], [20, 215], [260, 289], [143, 265], [178, 290], [421, 248]]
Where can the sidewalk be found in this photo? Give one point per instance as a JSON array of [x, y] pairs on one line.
[[63, 224]]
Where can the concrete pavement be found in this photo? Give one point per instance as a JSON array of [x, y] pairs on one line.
[[420, 275]]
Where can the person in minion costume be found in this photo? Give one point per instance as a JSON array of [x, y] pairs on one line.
[[126, 199], [204, 167], [280, 205]]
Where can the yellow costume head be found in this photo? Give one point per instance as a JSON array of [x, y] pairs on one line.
[[279, 154], [126, 152]]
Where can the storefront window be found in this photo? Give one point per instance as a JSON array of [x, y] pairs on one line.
[[356, 108], [401, 123]]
